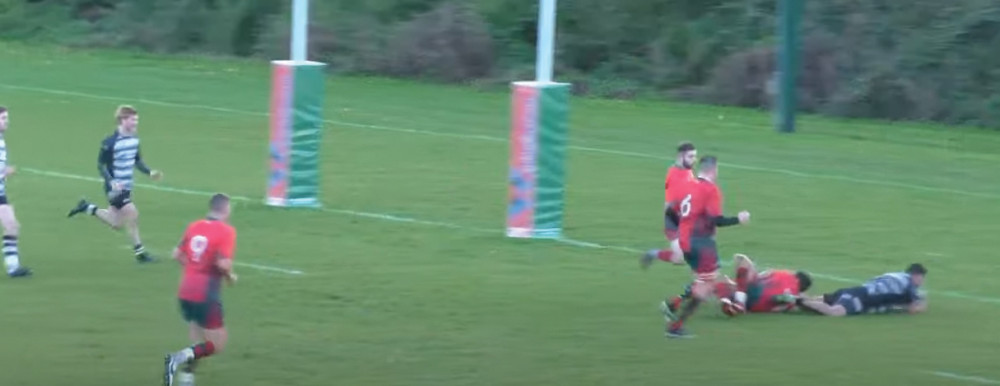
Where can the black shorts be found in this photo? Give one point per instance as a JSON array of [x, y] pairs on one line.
[[855, 300], [118, 199], [3, 200]]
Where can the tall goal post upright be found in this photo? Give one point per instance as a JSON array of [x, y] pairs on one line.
[[538, 138], [296, 120]]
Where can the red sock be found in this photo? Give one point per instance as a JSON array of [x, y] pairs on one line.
[[742, 274], [204, 349], [677, 324], [665, 255]]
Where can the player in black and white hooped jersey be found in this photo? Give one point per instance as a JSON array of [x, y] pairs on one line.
[[11, 228], [119, 156], [890, 292]]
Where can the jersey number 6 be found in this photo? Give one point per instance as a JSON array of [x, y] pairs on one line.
[[686, 206]]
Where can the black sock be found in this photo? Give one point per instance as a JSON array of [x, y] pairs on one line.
[[140, 250], [92, 209]]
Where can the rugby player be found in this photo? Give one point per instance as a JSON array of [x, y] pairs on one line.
[[700, 212], [206, 252], [679, 176], [761, 292], [890, 292], [11, 228], [118, 157]]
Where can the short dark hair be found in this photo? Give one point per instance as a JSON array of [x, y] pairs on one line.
[[3, 109], [707, 162], [218, 201], [805, 281], [685, 147], [916, 269]]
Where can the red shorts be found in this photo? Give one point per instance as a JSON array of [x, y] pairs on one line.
[[207, 314]]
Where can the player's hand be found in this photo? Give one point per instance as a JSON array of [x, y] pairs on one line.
[[231, 278], [156, 175], [744, 217], [10, 170], [117, 186]]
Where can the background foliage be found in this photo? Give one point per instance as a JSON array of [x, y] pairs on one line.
[[915, 60]]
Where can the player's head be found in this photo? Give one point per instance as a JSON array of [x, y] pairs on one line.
[[805, 281], [708, 167], [917, 273], [128, 119], [686, 154], [4, 119], [219, 206]]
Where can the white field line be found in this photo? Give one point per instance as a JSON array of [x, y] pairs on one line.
[[787, 172], [439, 224]]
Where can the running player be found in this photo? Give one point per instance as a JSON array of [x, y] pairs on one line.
[[700, 213], [206, 252], [891, 292], [118, 157], [679, 177], [768, 291], [11, 228]]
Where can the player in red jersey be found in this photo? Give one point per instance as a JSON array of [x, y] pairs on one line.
[[762, 292], [206, 252], [679, 177], [700, 213]]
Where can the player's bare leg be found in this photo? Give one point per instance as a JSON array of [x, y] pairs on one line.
[[11, 231], [819, 306], [129, 216]]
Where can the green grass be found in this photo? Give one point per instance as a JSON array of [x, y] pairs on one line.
[[386, 302]]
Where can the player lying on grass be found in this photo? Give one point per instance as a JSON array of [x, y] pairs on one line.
[[891, 292], [761, 292]]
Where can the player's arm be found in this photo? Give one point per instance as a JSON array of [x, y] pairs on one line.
[[145, 169], [919, 303], [140, 164], [715, 211], [225, 261], [178, 253], [105, 159]]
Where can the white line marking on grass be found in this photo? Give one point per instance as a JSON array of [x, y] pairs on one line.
[[966, 378], [410, 220], [490, 138], [248, 265]]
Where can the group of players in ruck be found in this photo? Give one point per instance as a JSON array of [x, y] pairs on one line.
[[205, 251], [693, 211]]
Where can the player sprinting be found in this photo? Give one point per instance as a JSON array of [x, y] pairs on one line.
[[761, 292], [11, 228], [118, 157], [679, 176], [206, 252], [700, 213], [890, 292]]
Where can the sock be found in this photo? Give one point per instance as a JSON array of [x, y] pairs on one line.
[[202, 350], [10, 257], [664, 255], [140, 250], [687, 292], [689, 309], [190, 366], [92, 209]]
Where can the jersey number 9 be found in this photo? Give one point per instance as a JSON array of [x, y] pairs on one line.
[[197, 245]]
